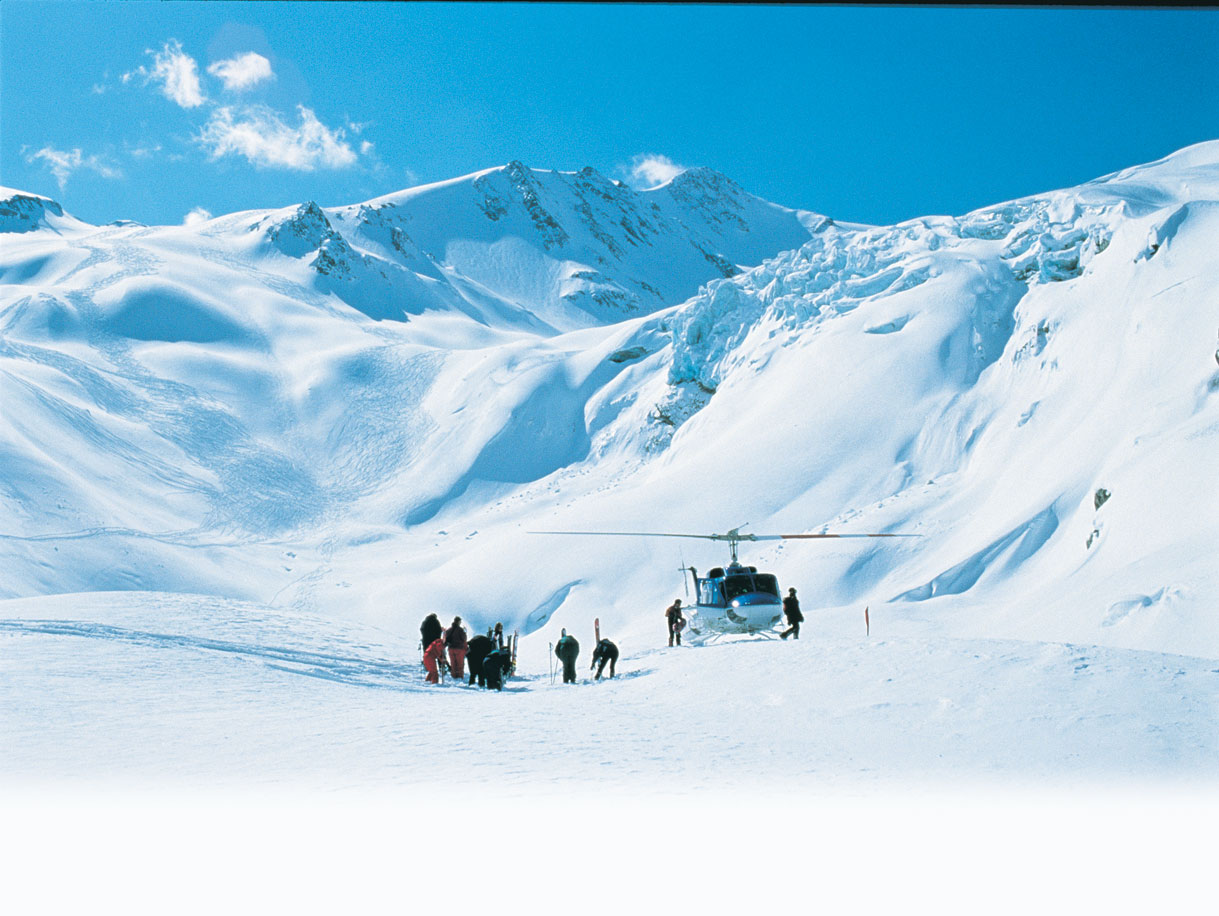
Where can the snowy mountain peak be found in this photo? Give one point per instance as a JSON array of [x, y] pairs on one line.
[[21, 211], [573, 249], [306, 229]]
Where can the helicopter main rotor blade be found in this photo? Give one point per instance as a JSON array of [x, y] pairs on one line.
[[764, 537], [637, 534], [727, 537]]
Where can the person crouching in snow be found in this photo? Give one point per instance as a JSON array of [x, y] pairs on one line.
[[433, 660], [455, 642], [606, 651], [495, 666], [568, 650]]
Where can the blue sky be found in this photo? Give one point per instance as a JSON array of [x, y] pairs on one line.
[[150, 111]]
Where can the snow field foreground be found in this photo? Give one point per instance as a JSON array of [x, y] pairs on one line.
[[159, 691]]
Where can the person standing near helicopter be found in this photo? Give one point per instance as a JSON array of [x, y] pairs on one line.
[[676, 621], [791, 609]]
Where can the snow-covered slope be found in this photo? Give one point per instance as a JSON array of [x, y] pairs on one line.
[[181, 386], [359, 413]]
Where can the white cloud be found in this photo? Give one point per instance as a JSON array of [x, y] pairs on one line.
[[651, 169], [177, 73], [179, 76], [366, 147], [261, 136], [63, 163], [197, 215], [143, 152], [242, 72]]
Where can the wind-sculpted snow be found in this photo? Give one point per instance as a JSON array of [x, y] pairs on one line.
[[1040, 240]]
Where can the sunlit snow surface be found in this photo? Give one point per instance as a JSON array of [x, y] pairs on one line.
[[241, 460], [181, 690]]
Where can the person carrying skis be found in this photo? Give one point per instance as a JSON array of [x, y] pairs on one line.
[[431, 629], [606, 651], [495, 666], [455, 642], [568, 650], [791, 608], [676, 621], [479, 648], [433, 660]]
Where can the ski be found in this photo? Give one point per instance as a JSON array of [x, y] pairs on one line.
[[597, 628], [515, 637]]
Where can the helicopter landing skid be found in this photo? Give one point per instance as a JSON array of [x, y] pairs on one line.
[[710, 637]]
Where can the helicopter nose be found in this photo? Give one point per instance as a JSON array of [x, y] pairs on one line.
[[755, 609]]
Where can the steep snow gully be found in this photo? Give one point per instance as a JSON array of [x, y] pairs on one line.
[[327, 422]]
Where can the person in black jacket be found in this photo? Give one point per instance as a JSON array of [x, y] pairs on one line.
[[495, 666], [791, 608], [478, 649], [677, 621], [568, 650], [606, 651], [431, 629]]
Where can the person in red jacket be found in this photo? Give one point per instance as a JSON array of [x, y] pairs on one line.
[[455, 642], [433, 658]]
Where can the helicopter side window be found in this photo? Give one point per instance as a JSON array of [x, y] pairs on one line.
[[709, 592]]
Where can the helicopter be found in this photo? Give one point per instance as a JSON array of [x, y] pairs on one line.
[[735, 598]]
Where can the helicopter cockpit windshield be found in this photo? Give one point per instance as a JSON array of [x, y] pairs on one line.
[[745, 584]]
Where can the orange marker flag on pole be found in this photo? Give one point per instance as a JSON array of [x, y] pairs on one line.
[[866, 622]]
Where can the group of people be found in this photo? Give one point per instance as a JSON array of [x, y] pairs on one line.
[[490, 659]]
